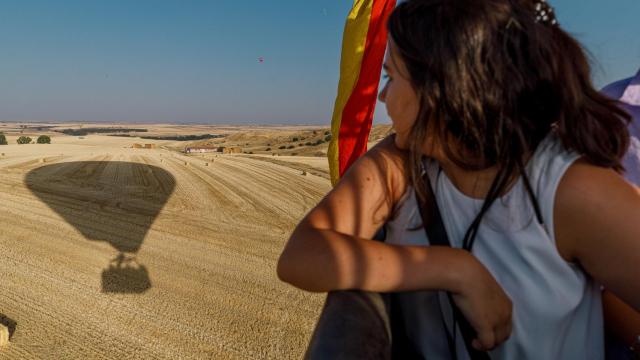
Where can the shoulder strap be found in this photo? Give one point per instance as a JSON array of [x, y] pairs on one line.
[[437, 234]]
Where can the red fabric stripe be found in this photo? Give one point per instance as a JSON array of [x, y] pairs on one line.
[[357, 115]]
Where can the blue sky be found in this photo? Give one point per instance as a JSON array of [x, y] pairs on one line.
[[197, 61]]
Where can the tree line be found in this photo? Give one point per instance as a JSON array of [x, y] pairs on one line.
[[42, 139]]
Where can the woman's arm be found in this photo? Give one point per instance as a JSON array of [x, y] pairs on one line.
[[331, 248], [597, 224], [620, 319]]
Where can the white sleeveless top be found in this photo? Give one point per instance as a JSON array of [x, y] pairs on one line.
[[557, 308]]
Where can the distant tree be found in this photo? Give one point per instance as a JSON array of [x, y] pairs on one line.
[[294, 139], [327, 138], [282, 147], [24, 140], [267, 149], [3, 140], [290, 147], [327, 132], [43, 139]]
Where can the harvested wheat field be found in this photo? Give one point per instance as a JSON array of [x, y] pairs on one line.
[[111, 252]]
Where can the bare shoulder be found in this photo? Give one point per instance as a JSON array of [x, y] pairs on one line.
[[365, 196], [590, 190], [596, 217], [390, 163]]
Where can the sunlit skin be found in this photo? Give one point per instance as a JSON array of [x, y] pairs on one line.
[[594, 228], [399, 97]]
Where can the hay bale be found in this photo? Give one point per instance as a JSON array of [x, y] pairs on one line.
[[41, 160], [4, 335]]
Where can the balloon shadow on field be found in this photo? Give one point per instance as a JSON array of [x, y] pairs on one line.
[[111, 201], [9, 323]]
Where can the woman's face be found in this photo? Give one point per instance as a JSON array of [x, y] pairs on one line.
[[399, 96]]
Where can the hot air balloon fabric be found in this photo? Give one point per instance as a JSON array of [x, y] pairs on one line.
[[363, 47], [627, 91]]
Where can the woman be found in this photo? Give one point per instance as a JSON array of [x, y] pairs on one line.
[[494, 101]]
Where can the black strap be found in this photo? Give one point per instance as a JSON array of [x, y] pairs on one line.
[[402, 348], [437, 234]]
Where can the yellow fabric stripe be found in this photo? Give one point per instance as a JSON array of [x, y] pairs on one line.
[[353, 45]]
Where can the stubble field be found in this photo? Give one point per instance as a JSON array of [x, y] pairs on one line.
[[110, 252]]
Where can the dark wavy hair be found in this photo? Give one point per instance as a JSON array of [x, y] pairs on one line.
[[494, 82]]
